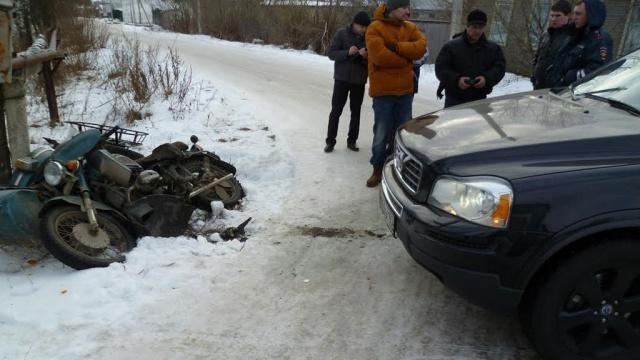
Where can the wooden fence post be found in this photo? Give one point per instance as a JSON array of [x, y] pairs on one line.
[[50, 90]]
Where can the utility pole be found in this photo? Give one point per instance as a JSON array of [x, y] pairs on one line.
[[14, 131], [199, 10], [5, 69], [132, 12]]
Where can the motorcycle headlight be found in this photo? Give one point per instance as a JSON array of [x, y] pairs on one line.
[[53, 173], [482, 200]]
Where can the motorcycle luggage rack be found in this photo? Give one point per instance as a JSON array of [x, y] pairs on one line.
[[131, 137]]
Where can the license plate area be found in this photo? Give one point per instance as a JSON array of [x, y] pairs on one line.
[[390, 207]]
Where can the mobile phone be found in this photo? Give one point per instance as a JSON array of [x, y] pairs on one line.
[[471, 81]]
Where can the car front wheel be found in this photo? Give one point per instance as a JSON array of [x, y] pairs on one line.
[[589, 307]]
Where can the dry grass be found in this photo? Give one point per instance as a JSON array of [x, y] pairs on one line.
[[300, 27], [136, 74]]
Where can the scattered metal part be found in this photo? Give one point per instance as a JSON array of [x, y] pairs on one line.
[[236, 232]]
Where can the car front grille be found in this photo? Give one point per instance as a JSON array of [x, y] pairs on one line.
[[408, 169]]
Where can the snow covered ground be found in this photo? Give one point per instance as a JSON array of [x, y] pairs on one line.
[[318, 278]]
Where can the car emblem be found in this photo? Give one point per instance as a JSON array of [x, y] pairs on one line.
[[400, 159]]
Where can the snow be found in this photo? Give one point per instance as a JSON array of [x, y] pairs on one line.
[[158, 304]]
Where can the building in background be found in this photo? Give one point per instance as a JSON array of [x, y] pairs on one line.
[[129, 11], [433, 17]]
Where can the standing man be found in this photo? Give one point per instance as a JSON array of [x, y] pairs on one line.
[[554, 39], [394, 43], [350, 73], [470, 66], [590, 47]]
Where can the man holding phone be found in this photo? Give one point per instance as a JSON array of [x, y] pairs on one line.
[[470, 66]]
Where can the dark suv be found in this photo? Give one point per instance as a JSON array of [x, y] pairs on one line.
[[530, 204]]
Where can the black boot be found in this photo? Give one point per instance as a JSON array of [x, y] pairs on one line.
[[353, 147], [328, 148]]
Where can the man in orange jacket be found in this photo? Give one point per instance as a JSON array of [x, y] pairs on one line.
[[393, 43]]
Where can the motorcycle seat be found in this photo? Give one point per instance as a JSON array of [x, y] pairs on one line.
[[163, 152]]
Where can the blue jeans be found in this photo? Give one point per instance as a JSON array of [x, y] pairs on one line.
[[389, 113]]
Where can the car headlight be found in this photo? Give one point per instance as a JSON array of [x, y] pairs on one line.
[[53, 173], [482, 200]]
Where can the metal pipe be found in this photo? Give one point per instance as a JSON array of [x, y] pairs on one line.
[[207, 187]]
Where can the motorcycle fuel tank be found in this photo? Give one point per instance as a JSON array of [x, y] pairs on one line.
[[77, 146]]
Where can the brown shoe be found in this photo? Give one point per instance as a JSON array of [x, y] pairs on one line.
[[375, 178]]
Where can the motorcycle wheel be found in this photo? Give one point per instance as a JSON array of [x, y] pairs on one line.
[[204, 170], [65, 233]]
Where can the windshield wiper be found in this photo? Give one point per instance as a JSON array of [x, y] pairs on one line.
[[615, 103], [602, 91]]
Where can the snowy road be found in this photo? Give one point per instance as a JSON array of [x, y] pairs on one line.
[[351, 293], [319, 277]]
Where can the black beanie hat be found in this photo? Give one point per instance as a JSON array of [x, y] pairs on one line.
[[477, 17], [394, 4], [362, 18]]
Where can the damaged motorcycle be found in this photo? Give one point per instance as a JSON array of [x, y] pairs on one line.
[[91, 205], [178, 163]]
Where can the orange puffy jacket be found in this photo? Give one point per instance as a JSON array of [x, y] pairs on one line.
[[391, 73]]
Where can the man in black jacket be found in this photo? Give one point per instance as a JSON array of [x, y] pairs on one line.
[[590, 47], [554, 39], [470, 66], [350, 74]]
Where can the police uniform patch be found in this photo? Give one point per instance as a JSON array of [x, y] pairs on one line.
[[604, 53]]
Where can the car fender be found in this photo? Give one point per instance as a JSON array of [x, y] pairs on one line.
[[576, 232]]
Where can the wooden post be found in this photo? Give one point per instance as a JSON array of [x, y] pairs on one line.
[[15, 108], [50, 90], [5, 77], [5, 156]]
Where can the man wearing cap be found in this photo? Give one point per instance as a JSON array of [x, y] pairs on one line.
[[470, 65], [394, 43], [350, 74]]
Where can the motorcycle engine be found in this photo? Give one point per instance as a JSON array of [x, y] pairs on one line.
[[147, 181]]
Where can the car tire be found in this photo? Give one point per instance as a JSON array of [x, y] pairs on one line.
[[589, 306]]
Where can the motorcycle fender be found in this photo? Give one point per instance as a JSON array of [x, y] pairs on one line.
[[161, 214], [76, 200]]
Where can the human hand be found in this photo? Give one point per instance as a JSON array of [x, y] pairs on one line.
[[363, 52], [462, 83], [480, 82], [353, 50]]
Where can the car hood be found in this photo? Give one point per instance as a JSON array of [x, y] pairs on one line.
[[523, 135]]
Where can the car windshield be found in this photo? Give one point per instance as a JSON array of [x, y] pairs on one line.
[[618, 83]]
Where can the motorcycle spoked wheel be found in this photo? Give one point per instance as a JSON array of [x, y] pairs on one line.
[[65, 233], [205, 171]]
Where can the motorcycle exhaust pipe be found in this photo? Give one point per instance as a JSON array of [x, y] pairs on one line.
[[207, 187]]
